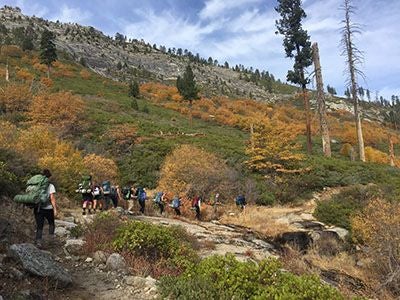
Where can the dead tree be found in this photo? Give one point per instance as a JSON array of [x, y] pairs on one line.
[[326, 142]]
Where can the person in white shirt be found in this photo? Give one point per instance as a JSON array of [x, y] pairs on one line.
[[46, 211]]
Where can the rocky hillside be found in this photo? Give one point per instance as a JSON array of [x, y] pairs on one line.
[[122, 60]]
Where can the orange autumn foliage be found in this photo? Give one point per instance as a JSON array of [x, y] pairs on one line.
[[46, 82], [100, 168], [24, 75], [62, 111], [123, 134], [376, 156], [40, 67], [15, 97], [8, 134], [85, 74]]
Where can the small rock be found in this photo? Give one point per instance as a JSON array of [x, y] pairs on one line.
[[67, 225], [61, 232], [88, 260], [164, 223], [74, 246], [69, 219], [100, 257], [116, 262], [360, 264]]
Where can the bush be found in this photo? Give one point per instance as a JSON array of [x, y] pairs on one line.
[[193, 171], [224, 277], [100, 233], [153, 241], [378, 226], [340, 208]]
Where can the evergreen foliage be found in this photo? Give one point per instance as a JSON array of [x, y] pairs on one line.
[[187, 85], [48, 53]]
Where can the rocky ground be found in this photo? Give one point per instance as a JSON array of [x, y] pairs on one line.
[[60, 271]]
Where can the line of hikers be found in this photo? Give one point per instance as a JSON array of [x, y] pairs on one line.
[[102, 196]]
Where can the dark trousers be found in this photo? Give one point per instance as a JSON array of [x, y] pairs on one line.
[[142, 204], [161, 207], [197, 210], [177, 211], [114, 201], [40, 215], [107, 202]]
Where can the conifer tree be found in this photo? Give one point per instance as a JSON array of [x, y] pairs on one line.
[[187, 87], [48, 53], [297, 45], [134, 92]]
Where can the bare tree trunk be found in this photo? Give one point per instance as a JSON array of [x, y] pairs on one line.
[[326, 142], [352, 60], [251, 136], [391, 151], [308, 120], [7, 73]]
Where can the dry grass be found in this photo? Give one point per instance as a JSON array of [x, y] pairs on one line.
[[260, 219]]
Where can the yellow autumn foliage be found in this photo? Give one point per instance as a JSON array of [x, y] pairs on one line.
[[8, 134], [189, 170], [376, 156], [65, 163], [378, 226], [100, 168], [273, 147], [15, 97], [62, 111]]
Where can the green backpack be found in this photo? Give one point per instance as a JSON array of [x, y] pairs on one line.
[[36, 191]]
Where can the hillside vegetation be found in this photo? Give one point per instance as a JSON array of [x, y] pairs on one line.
[[78, 122]]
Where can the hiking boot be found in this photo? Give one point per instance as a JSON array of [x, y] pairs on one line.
[[90, 212], [83, 213]]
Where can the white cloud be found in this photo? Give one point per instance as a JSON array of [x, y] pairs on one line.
[[71, 14], [216, 8], [32, 8]]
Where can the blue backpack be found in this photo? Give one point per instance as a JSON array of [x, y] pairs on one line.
[[158, 197], [142, 196], [176, 203], [240, 200]]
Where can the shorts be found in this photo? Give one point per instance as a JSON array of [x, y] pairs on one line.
[[88, 197]]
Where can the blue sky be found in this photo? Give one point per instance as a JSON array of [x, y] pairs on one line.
[[243, 31]]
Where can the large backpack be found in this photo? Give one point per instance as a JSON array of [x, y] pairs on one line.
[[36, 191], [106, 185], [143, 195], [85, 187], [158, 197], [126, 192], [176, 203], [96, 191], [240, 200]]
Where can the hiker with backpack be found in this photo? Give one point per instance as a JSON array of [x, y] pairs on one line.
[[241, 202], [127, 194], [97, 198], [159, 200], [196, 202], [86, 189], [106, 190], [141, 197], [40, 195], [114, 195], [176, 204]]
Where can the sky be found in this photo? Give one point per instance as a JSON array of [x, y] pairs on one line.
[[243, 32]]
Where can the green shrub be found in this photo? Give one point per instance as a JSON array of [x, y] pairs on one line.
[[155, 242], [77, 231], [224, 277], [338, 210]]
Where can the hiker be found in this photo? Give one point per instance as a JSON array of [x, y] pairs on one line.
[[85, 188], [106, 190], [159, 200], [176, 204], [127, 194], [196, 202], [114, 195], [241, 201], [141, 197], [46, 211], [97, 198]]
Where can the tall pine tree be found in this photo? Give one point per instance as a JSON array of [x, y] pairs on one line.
[[187, 88], [48, 53], [297, 45]]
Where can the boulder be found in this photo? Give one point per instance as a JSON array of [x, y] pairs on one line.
[[74, 247], [99, 257], [299, 239], [341, 232], [61, 232], [65, 224], [116, 262], [39, 263], [140, 283]]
